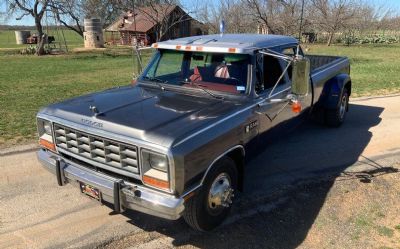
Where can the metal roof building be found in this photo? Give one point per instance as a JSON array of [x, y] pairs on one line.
[[144, 23]]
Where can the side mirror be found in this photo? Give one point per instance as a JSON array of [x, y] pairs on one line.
[[301, 76]]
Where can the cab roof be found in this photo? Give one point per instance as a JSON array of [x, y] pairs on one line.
[[230, 43]]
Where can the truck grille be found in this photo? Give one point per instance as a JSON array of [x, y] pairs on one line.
[[96, 148]]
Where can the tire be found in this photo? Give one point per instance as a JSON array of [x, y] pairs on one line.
[[200, 213], [335, 117]]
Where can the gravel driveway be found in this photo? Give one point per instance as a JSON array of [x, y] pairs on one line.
[[36, 213]]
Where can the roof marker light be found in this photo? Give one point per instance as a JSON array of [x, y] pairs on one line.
[[188, 48], [232, 50], [199, 48], [155, 45], [178, 47]]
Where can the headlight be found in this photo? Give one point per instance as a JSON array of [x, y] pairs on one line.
[[155, 168], [45, 134], [155, 160], [47, 128]]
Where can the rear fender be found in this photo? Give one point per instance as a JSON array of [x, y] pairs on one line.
[[333, 89]]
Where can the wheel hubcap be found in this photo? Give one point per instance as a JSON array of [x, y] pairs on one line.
[[342, 107], [221, 192]]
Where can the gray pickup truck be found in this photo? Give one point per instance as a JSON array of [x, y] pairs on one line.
[[175, 142]]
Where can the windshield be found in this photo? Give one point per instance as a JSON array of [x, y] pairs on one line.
[[209, 71]]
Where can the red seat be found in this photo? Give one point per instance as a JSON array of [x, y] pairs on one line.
[[221, 71], [196, 76]]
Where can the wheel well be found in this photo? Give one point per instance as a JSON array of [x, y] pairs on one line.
[[237, 155], [348, 87]]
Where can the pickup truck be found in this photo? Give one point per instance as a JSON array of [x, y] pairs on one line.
[[175, 143]]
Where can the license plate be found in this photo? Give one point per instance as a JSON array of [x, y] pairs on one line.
[[90, 191]]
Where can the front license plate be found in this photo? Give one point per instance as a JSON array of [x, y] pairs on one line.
[[90, 191]]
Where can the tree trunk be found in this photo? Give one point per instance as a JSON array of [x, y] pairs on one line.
[[330, 38], [41, 38]]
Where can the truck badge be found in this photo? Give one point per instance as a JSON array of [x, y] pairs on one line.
[[92, 123], [251, 126]]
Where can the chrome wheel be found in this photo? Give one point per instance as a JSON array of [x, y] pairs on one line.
[[220, 194], [343, 106]]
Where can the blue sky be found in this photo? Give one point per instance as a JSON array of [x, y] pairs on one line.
[[393, 5]]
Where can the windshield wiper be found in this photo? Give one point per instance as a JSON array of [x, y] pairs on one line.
[[207, 91], [157, 81]]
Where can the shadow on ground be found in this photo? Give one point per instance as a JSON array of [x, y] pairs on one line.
[[312, 151]]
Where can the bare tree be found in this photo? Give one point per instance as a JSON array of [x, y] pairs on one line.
[[209, 15], [333, 15], [107, 10], [34, 8], [164, 14], [277, 16], [236, 16], [262, 11], [69, 13]]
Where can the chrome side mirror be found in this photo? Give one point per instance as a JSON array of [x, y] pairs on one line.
[[301, 76]]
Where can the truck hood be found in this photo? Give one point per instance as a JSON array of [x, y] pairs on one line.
[[152, 115]]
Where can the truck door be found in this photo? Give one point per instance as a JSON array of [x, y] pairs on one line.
[[276, 115]]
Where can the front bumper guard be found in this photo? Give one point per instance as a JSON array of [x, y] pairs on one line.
[[121, 194]]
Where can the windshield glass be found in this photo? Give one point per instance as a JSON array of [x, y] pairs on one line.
[[209, 71]]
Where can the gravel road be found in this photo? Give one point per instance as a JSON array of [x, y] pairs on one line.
[[36, 213]]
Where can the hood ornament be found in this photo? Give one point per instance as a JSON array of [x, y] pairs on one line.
[[94, 109]]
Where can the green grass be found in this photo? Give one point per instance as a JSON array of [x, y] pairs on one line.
[[385, 231], [7, 38], [374, 68], [28, 83]]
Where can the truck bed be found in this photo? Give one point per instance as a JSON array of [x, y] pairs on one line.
[[320, 61], [324, 68]]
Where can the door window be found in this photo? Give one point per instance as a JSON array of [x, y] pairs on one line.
[[269, 70]]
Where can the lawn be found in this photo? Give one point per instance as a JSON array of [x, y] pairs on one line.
[[374, 68], [28, 83], [7, 38]]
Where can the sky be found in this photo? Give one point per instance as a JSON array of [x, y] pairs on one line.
[[393, 5]]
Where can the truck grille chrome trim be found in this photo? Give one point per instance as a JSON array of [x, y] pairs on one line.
[[99, 149]]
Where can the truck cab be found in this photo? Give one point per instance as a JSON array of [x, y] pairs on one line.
[[175, 143]]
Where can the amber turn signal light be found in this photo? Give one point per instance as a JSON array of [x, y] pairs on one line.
[[46, 144], [155, 182], [296, 107]]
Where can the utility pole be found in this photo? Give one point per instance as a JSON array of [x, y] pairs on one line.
[[301, 20]]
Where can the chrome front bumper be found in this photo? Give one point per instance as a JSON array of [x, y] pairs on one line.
[[115, 191]]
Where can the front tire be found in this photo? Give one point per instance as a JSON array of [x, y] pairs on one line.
[[335, 117], [211, 205]]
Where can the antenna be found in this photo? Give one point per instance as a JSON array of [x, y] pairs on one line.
[[138, 55], [222, 27]]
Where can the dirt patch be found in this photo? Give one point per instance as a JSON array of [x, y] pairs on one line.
[[359, 214], [347, 211]]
